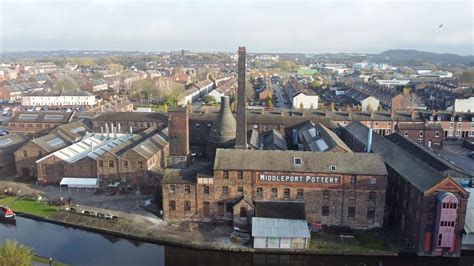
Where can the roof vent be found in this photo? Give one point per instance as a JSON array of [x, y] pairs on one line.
[[332, 168]]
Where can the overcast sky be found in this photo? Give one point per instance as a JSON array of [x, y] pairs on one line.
[[263, 26]]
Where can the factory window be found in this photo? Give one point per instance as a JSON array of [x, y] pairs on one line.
[[325, 211], [373, 180], [371, 196], [376, 124], [274, 192], [25, 154], [172, 189], [353, 179], [240, 190], [451, 125], [389, 124], [437, 134], [225, 191], [187, 205], [326, 194], [172, 205], [286, 193], [439, 118], [421, 133], [351, 212], [240, 175], [368, 123], [206, 189], [351, 197], [125, 164], [225, 174], [259, 192], [111, 164], [297, 161], [187, 189], [370, 213], [22, 125], [40, 153], [332, 168], [38, 125], [30, 125], [140, 164], [101, 164], [299, 193], [406, 133]]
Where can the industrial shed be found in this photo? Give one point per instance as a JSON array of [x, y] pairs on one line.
[[271, 233]]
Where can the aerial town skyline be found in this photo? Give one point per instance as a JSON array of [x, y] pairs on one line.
[[265, 26]]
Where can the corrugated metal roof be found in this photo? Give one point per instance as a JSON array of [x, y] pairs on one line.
[[270, 227]]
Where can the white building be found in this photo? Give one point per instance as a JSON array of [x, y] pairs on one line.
[[464, 105], [271, 233], [393, 82], [370, 103], [79, 98], [305, 100]]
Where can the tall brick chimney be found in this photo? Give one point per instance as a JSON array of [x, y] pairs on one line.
[[241, 136], [178, 132]]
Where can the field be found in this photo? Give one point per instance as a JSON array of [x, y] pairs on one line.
[[29, 206]]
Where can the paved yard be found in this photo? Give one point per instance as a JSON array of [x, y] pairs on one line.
[[457, 155]]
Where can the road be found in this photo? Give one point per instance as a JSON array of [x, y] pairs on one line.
[[277, 89]]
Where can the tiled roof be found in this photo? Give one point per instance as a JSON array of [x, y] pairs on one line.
[[312, 162]]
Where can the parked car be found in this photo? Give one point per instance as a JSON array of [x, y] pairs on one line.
[[471, 155], [3, 132]]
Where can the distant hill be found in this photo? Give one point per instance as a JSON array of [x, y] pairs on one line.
[[415, 57]]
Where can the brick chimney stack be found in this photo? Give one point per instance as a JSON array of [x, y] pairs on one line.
[[241, 136]]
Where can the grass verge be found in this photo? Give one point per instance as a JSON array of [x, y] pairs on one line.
[[29, 206]]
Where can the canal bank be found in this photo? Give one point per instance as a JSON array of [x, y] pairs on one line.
[[79, 247]]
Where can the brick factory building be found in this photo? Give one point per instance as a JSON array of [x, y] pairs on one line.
[[426, 207], [38, 123], [137, 159], [345, 189]]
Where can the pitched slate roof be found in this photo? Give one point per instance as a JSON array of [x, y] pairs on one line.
[[424, 154], [132, 116], [312, 162], [412, 169], [42, 117]]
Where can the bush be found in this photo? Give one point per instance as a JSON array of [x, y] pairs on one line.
[[12, 253]]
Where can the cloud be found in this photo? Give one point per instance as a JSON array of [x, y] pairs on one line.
[[263, 26]]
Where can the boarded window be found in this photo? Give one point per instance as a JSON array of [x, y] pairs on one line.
[[286, 193], [351, 212], [299, 193], [243, 212], [274, 192]]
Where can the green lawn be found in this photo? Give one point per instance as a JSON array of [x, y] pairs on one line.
[[46, 261], [29, 207], [364, 242]]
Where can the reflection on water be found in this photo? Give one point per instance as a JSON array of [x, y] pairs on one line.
[[80, 247]]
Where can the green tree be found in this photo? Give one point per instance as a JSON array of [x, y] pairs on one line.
[[12, 253], [332, 107], [165, 107], [368, 108], [315, 84], [269, 101], [322, 106], [379, 108]]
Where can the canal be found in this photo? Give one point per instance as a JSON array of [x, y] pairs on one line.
[[79, 247]]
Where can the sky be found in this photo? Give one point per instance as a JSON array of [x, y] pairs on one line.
[[365, 26]]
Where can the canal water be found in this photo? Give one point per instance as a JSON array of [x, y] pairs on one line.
[[79, 247]]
